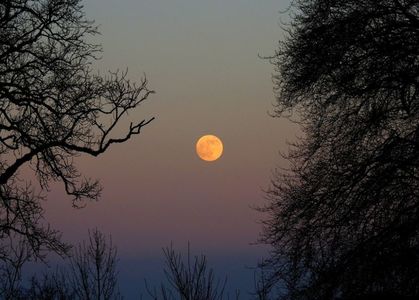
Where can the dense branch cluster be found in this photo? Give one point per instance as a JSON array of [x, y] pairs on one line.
[[54, 107], [344, 219]]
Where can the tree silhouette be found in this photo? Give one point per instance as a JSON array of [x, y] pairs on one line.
[[53, 108], [90, 274], [188, 280], [14, 255], [344, 218], [93, 269]]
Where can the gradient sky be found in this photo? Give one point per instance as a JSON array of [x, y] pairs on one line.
[[201, 58]]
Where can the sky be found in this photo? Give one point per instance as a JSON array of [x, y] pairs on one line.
[[203, 60]]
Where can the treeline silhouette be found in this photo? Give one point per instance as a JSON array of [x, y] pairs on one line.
[[91, 274], [343, 219]]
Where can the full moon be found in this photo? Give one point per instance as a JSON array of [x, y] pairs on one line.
[[209, 147]]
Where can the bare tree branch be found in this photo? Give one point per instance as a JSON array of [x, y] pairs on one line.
[[53, 107]]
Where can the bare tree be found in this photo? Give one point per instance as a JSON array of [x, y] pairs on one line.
[[262, 289], [188, 280], [344, 218], [93, 269], [53, 107], [90, 275], [13, 256]]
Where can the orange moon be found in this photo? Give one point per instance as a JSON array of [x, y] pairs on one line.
[[209, 147]]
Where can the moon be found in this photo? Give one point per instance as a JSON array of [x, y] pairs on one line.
[[209, 147]]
